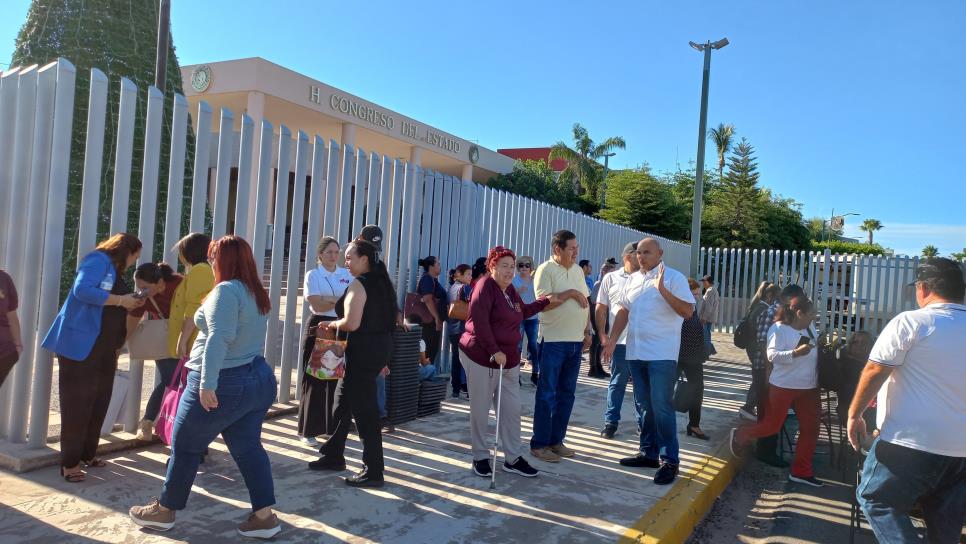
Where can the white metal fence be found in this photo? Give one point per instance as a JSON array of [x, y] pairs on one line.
[[852, 292], [336, 190]]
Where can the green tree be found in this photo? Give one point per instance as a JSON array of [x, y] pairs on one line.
[[959, 255], [582, 169], [636, 199], [721, 137], [535, 179], [817, 228], [784, 226], [930, 251], [870, 226], [736, 212], [121, 41]]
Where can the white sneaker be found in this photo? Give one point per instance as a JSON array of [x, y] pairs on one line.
[[746, 415], [309, 441]]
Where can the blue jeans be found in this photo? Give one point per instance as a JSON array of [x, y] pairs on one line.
[[559, 366], [245, 393], [619, 374], [707, 339], [425, 373], [894, 477], [528, 327], [653, 391], [381, 393]]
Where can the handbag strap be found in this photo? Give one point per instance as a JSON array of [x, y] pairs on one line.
[[156, 308], [178, 370]]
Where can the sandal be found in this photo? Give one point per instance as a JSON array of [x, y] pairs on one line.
[[73, 477], [96, 462]]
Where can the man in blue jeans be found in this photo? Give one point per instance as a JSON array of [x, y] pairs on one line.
[[656, 300], [916, 369], [564, 334], [609, 293]]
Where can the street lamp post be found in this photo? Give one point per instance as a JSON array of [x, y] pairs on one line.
[[831, 222], [603, 183], [706, 48]]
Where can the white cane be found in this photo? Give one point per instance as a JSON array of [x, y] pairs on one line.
[[496, 441]]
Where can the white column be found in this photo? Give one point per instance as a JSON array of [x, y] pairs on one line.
[[256, 110], [348, 135], [416, 156], [467, 172]]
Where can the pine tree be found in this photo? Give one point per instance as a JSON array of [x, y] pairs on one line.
[[738, 206], [120, 39]]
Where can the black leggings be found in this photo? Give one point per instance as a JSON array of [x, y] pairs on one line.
[[695, 375], [457, 379]]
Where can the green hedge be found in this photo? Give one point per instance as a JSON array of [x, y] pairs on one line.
[[836, 246]]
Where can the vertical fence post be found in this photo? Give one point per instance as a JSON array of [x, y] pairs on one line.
[[263, 192], [219, 207], [127, 111], [361, 179], [243, 185], [278, 245], [53, 250], [199, 181], [93, 161], [9, 81], [172, 215], [289, 333], [314, 234]]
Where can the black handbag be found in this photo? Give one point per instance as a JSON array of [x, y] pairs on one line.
[[684, 394]]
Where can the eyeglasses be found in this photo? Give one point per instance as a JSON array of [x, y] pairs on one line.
[[523, 265]]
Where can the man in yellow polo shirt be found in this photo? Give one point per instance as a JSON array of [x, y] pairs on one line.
[[564, 334]]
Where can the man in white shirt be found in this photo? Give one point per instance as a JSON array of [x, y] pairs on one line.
[[918, 370], [656, 301], [609, 294]]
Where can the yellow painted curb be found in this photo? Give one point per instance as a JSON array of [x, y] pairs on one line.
[[672, 519]]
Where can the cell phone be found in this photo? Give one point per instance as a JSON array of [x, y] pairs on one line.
[[143, 293], [803, 341]]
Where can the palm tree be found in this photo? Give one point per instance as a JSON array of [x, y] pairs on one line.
[[959, 255], [870, 226], [930, 251], [582, 166], [721, 137]]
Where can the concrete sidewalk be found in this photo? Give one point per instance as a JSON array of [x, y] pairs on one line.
[[431, 494]]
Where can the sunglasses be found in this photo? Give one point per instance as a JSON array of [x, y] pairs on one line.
[[523, 265]]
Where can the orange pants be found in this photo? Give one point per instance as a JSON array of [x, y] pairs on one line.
[[807, 407]]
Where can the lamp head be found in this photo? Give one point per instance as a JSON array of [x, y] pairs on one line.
[[697, 46], [720, 43]]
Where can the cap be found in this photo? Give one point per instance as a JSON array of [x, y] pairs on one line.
[[611, 261], [629, 248], [373, 235]]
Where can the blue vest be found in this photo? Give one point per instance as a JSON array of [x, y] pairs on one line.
[[78, 323]]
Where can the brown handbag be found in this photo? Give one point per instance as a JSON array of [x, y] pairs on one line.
[[459, 310], [415, 306]]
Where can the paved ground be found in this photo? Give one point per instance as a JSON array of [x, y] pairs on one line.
[[432, 496]]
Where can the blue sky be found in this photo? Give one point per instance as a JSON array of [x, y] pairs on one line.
[[856, 106]]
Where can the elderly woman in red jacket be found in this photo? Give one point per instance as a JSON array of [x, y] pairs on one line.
[[489, 346]]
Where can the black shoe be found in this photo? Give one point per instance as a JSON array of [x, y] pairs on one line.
[[608, 431], [364, 479], [665, 474], [327, 463], [604, 374], [811, 480], [698, 434], [521, 467], [534, 378], [640, 461], [387, 426], [482, 468], [773, 460]]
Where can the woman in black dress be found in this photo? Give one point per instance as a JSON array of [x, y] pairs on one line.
[[324, 285], [367, 318]]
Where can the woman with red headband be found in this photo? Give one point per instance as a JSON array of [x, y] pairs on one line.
[[489, 346]]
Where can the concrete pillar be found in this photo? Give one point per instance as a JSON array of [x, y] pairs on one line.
[[256, 110], [349, 134], [467, 172], [416, 156]]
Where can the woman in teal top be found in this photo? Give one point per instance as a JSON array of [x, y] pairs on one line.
[[230, 389]]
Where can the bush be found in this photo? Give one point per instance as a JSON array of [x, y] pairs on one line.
[[844, 248]]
